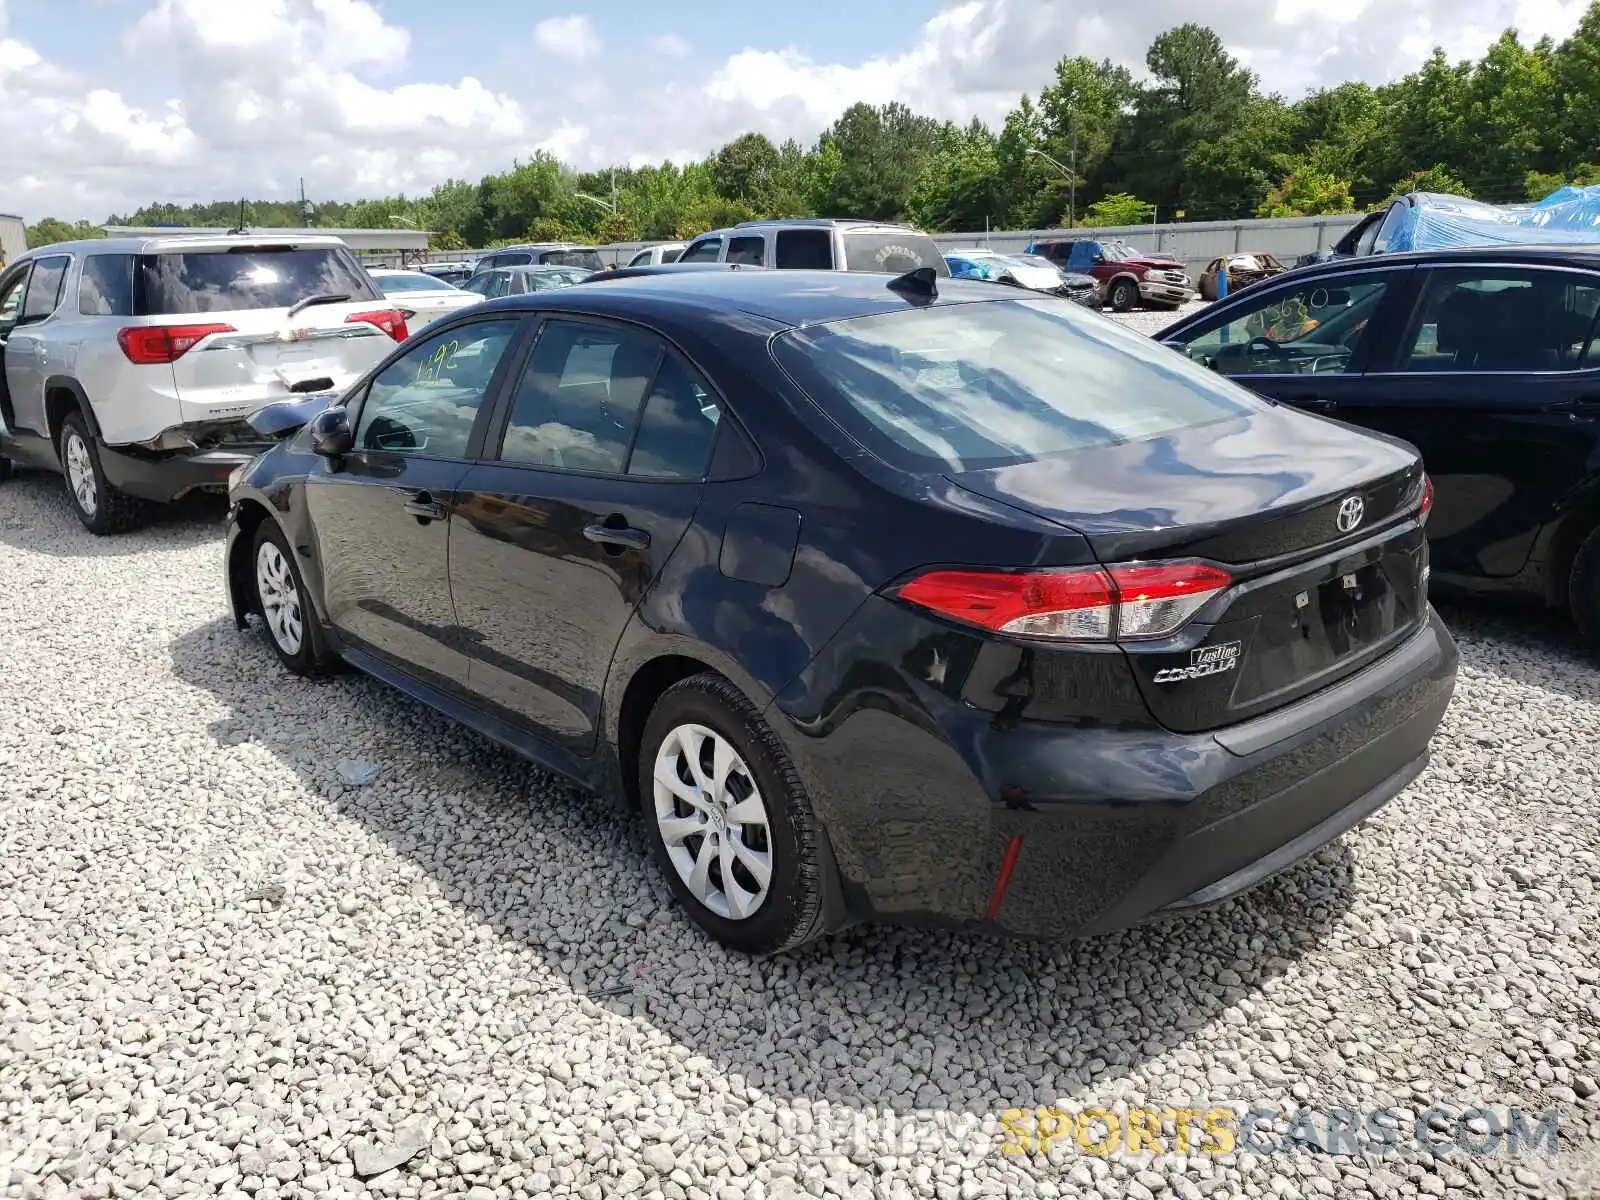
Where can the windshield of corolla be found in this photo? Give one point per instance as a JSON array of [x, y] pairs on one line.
[[963, 387]]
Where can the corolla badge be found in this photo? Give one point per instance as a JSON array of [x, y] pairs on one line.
[[1206, 660], [1351, 510]]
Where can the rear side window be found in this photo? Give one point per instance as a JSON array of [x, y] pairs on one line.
[[705, 250], [589, 260], [678, 427], [44, 288], [202, 281], [750, 251], [671, 256], [106, 289], [805, 250], [1505, 319], [521, 259], [969, 386], [892, 253], [642, 259]]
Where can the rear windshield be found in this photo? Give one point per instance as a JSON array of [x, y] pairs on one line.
[[202, 281], [411, 282], [589, 260], [964, 387], [892, 253]]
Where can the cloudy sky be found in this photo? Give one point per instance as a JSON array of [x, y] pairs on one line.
[[107, 104]]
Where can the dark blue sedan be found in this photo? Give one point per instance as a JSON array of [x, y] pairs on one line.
[[877, 598]]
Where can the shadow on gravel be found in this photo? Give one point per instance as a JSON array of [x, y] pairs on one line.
[[36, 515], [569, 876], [1524, 643]]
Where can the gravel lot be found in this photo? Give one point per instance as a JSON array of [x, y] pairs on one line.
[[224, 970]]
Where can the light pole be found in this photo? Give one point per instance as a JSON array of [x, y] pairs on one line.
[[1070, 172]]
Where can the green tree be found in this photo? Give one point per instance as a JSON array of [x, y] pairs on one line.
[[959, 187], [1538, 184], [1307, 192], [1436, 178], [881, 153], [1120, 209], [49, 231]]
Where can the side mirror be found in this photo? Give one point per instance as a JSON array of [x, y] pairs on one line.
[[331, 436]]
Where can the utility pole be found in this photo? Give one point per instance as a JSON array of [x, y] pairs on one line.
[[1072, 192]]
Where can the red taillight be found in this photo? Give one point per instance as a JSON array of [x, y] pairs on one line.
[[391, 320], [1426, 506], [151, 344], [1080, 604]]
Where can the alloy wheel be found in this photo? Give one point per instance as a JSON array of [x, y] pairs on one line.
[[80, 473], [280, 598], [713, 821]]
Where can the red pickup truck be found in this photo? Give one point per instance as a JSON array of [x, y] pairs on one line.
[[1127, 276]]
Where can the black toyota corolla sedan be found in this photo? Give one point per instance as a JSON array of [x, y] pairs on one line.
[[880, 598]]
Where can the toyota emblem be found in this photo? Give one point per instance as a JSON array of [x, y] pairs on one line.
[[1351, 510]]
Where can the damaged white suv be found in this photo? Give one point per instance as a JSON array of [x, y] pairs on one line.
[[130, 364]]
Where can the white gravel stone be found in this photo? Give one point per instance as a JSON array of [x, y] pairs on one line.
[[223, 968]]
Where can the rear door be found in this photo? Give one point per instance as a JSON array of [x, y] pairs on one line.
[[381, 515], [588, 489], [1495, 376], [253, 324]]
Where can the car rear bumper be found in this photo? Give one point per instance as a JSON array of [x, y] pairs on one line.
[[1104, 824], [167, 477]]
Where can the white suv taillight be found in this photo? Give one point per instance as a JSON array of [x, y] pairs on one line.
[[148, 345], [391, 320], [1080, 604]]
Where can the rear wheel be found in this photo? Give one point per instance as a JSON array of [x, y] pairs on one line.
[[1124, 295], [6, 469], [732, 829], [102, 509], [1583, 590]]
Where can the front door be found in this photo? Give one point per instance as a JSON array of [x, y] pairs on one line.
[[27, 345], [1495, 377], [13, 284], [595, 478], [382, 514]]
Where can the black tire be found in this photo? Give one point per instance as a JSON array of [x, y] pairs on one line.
[[1583, 590], [6, 469], [104, 510], [307, 654], [791, 912], [1124, 295]]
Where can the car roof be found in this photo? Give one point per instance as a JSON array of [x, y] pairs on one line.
[[173, 242], [820, 223], [540, 246], [1568, 254], [786, 299]]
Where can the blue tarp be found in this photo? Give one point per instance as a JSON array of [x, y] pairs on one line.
[[1438, 222]]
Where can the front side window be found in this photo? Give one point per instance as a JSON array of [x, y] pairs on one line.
[[238, 278], [1082, 255], [641, 259], [748, 250], [426, 401], [1313, 329], [106, 288], [44, 287], [579, 397], [705, 250], [970, 386], [1504, 319], [11, 300]]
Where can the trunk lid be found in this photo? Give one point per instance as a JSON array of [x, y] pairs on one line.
[[1319, 590]]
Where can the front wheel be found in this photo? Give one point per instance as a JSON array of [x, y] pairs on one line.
[[291, 622], [6, 469], [102, 509], [1583, 590], [732, 829], [1124, 295]]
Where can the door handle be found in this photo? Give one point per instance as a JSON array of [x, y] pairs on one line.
[[1312, 402], [614, 532], [424, 508]]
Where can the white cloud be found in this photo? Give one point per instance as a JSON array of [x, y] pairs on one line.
[[246, 96], [573, 37]]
